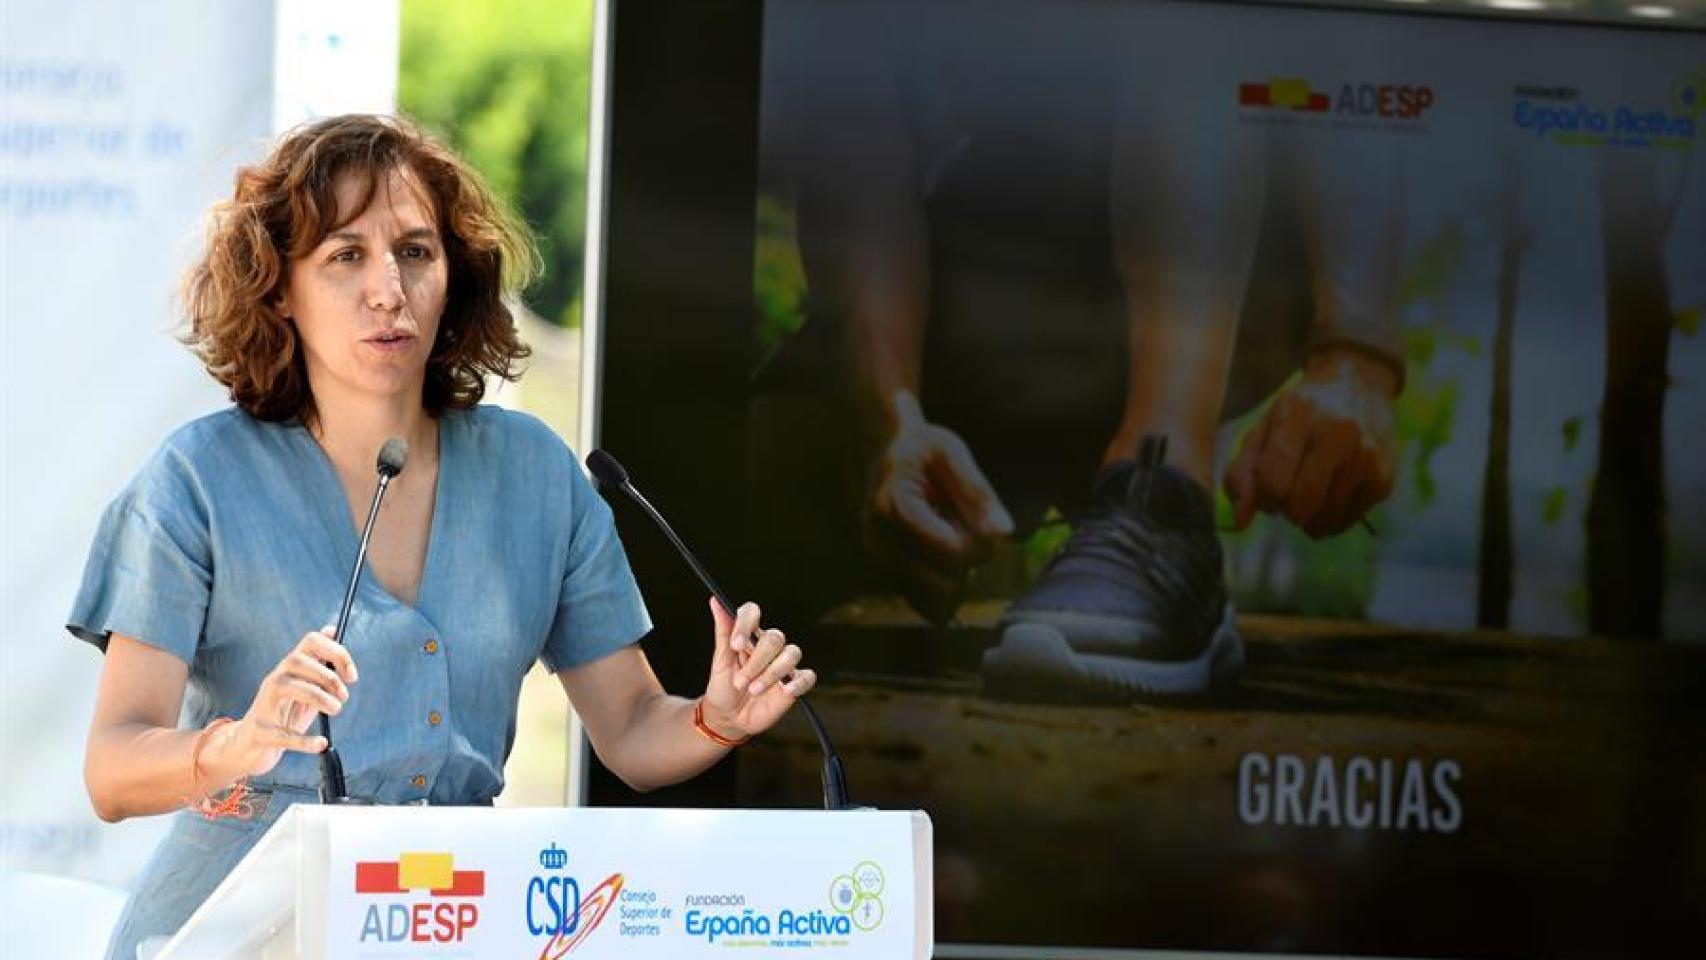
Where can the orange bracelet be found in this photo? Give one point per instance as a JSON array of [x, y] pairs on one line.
[[705, 730], [233, 801]]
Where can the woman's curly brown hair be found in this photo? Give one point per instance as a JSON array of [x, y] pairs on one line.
[[286, 205]]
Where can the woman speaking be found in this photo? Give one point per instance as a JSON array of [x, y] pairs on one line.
[[353, 290]]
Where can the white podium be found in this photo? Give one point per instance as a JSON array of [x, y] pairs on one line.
[[340, 883]]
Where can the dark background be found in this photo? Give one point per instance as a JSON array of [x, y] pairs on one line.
[[678, 356], [677, 315]]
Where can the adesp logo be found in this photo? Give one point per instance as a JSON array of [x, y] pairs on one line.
[[556, 909], [1392, 101], [434, 920]]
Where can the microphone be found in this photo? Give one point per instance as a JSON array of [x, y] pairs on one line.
[[609, 471], [391, 459]]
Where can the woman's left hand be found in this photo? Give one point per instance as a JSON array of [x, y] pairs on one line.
[[755, 674]]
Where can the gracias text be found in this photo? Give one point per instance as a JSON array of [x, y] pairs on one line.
[[1362, 793]]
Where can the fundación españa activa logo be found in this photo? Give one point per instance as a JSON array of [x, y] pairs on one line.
[[1570, 117], [440, 908], [859, 895]]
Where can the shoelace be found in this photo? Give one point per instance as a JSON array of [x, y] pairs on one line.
[[1117, 533]]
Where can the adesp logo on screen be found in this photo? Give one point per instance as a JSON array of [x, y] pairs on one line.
[[445, 916], [1391, 101]]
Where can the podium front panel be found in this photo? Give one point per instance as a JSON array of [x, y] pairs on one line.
[[590, 883]]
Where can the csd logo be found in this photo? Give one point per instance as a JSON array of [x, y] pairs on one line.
[[553, 900]]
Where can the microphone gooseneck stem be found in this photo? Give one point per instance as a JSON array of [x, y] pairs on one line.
[[360, 557], [332, 786], [834, 777], [686, 554]]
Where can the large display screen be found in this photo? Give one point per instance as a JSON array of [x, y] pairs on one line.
[[1237, 467]]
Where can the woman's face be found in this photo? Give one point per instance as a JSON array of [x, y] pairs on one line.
[[366, 301]]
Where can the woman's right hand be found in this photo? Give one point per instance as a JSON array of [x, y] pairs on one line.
[[313, 678]]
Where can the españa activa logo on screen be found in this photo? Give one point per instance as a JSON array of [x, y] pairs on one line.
[[1688, 95], [1561, 114], [441, 909]]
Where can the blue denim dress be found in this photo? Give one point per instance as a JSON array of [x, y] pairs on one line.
[[236, 538]]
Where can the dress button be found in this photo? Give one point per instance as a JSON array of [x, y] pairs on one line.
[[418, 780], [432, 646], [433, 718]]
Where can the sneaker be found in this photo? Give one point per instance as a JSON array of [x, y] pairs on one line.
[[1134, 605]]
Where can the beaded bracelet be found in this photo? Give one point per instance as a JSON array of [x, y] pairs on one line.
[[705, 730], [233, 801]]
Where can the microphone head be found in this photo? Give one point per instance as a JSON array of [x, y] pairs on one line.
[[392, 456], [606, 469]]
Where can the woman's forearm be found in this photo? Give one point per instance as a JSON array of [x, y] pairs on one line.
[[660, 746], [136, 769]]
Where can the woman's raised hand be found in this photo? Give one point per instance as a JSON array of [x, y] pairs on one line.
[[313, 678], [755, 674]]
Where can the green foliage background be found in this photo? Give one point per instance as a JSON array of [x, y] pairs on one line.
[[506, 83]]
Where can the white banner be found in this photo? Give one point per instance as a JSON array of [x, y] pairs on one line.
[[664, 884], [120, 123]]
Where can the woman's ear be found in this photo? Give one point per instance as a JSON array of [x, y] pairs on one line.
[[281, 303]]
